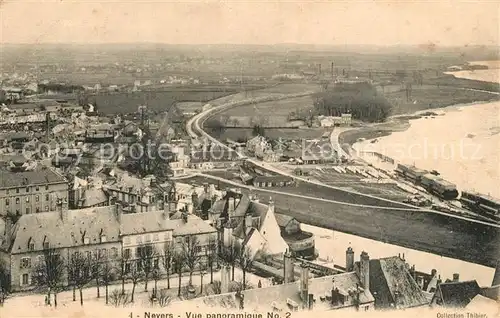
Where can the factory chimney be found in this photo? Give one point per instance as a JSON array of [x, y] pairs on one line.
[[331, 70]]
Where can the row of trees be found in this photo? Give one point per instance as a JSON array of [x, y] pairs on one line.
[[54, 273]]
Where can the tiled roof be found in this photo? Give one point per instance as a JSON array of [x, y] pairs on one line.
[[59, 233], [277, 295], [154, 221], [458, 294], [194, 225], [36, 177], [394, 284], [283, 219]]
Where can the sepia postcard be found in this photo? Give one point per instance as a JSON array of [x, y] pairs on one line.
[[249, 159]]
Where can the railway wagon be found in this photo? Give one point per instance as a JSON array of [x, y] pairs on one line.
[[442, 188]]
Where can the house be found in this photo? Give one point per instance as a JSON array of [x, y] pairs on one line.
[[272, 181], [31, 191], [456, 294], [213, 158], [300, 243], [343, 291], [393, 285], [104, 233]]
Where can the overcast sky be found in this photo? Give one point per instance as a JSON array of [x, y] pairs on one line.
[[252, 22]]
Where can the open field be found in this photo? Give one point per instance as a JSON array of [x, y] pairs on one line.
[[429, 232], [432, 96], [155, 100], [273, 133]]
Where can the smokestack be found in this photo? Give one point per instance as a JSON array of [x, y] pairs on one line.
[[288, 268], [304, 285], [332, 70], [349, 259], [456, 277], [364, 270]]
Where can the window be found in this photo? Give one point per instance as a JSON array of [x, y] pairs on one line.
[[17, 200], [126, 240], [27, 210], [139, 240], [126, 253], [148, 238], [37, 209], [47, 187], [37, 198], [367, 308], [103, 238], [156, 237], [27, 189], [103, 253], [88, 254], [17, 190], [86, 240], [40, 259], [197, 249], [127, 268], [138, 266], [25, 279], [156, 263], [46, 245], [26, 262], [7, 201], [47, 197], [46, 208], [168, 236], [37, 188], [31, 245], [114, 252], [7, 191], [27, 199]]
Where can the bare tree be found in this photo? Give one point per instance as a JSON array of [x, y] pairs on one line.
[[191, 250], [49, 272], [168, 255], [81, 268], [134, 275], [4, 282], [230, 256], [178, 263], [156, 276], [124, 264], [211, 256], [245, 261], [147, 256], [96, 270], [108, 273]]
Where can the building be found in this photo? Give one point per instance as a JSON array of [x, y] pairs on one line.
[[344, 291], [272, 181], [33, 191], [104, 233], [300, 243], [213, 158]]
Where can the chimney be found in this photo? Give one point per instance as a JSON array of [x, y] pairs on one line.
[[456, 277], [205, 188], [364, 269], [166, 212], [349, 259], [433, 272], [310, 301], [63, 216], [304, 285], [288, 268], [271, 205], [230, 206], [496, 277], [248, 222], [224, 280], [118, 212]]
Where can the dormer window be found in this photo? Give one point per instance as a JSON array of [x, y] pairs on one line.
[[86, 240], [46, 245], [103, 238], [31, 245]]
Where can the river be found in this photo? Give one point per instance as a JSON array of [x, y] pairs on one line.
[[463, 144]]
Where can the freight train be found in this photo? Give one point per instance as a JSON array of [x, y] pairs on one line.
[[430, 181], [481, 204]]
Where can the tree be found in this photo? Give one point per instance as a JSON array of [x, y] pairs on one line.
[[82, 271], [230, 255], [4, 282], [211, 256], [147, 257], [96, 271], [108, 273], [49, 272], [168, 255], [191, 250], [156, 276], [245, 261], [134, 275], [178, 262], [123, 263]]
